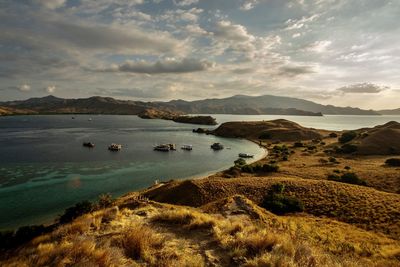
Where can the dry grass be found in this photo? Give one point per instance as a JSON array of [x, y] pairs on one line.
[[358, 205]]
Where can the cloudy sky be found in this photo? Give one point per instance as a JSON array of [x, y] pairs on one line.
[[341, 52]]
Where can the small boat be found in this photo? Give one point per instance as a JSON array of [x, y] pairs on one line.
[[90, 119], [164, 148], [88, 144], [115, 147], [187, 147], [217, 146], [245, 155]]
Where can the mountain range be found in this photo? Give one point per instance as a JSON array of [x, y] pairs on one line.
[[239, 104]]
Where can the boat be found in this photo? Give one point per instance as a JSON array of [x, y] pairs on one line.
[[88, 144], [217, 146], [172, 146], [163, 147], [245, 155], [187, 147], [90, 119], [115, 147]]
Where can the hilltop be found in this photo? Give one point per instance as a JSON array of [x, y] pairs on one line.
[[280, 129], [231, 232]]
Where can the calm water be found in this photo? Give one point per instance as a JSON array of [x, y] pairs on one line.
[[328, 122], [44, 168]]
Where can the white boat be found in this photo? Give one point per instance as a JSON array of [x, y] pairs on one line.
[[115, 147], [245, 155], [187, 147]]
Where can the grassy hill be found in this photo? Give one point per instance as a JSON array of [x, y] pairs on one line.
[[146, 233], [361, 206]]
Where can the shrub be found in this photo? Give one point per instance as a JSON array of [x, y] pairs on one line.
[[239, 162], [248, 169], [298, 144], [73, 212], [347, 137], [332, 160], [333, 135], [347, 149], [278, 203], [270, 168], [265, 135], [348, 177], [104, 201], [322, 161], [347, 167], [10, 239], [285, 158], [393, 162]]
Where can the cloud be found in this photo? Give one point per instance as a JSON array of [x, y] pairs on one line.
[[293, 71], [169, 65], [52, 4], [25, 88], [293, 24], [319, 46], [234, 32], [185, 2], [363, 88], [51, 89], [248, 4]]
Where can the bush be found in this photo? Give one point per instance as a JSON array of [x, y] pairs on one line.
[[104, 201], [73, 212], [298, 144], [347, 149], [333, 135], [278, 203], [347, 137], [11, 239], [332, 160], [265, 135], [248, 169], [270, 168], [240, 162], [348, 178], [393, 162]]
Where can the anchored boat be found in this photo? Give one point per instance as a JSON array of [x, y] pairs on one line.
[[217, 146], [245, 155], [187, 147], [115, 147], [88, 144], [163, 148]]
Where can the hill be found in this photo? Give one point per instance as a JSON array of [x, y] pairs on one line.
[[379, 140], [280, 129], [361, 206], [134, 232], [266, 104], [389, 111]]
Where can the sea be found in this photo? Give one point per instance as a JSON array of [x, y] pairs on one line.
[[44, 168]]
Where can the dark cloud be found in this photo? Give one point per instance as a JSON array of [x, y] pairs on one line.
[[363, 88], [162, 66]]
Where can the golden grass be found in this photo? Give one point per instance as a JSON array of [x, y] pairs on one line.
[[358, 205]]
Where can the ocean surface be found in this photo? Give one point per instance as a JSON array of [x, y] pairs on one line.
[[44, 168]]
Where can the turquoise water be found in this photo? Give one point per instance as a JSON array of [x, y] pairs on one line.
[[328, 122], [44, 168]]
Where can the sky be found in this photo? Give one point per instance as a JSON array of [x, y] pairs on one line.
[[340, 52]]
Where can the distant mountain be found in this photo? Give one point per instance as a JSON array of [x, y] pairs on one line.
[[267, 104], [389, 111], [239, 104]]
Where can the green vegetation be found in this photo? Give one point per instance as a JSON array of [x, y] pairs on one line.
[[333, 135], [393, 162], [260, 168], [347, 177], [276, 202], [265, 135], [347, 137], [347, 149], [298, 144], [240, 162], [74, 212]]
